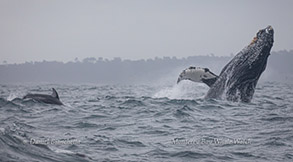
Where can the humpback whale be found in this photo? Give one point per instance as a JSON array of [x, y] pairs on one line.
[[238, 79], [48, 99]]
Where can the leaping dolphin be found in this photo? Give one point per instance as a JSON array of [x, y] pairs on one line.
[[48, 99], [238, 79]]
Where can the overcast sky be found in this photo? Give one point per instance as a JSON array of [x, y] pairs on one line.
[[36, 30]]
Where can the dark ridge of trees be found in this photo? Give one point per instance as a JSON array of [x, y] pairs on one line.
[[118, 71]]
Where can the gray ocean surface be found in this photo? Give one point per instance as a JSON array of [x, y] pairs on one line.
[[145, 123]]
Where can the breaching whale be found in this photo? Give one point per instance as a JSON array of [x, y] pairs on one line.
[[48, 99], [238, 79]]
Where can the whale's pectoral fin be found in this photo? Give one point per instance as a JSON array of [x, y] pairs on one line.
[[198, 74], [55, 94]]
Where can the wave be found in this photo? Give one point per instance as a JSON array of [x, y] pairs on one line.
[[131, 123], [15, 148]]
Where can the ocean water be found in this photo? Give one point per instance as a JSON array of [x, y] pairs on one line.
[[145, 123]]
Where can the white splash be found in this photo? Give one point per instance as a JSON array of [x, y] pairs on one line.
[[183, 90]]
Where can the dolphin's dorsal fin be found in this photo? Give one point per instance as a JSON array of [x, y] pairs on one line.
[[55, 94]]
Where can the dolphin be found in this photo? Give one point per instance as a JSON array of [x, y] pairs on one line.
[[48, 99], [238, 79]]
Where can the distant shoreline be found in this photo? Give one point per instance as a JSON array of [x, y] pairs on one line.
[[117, 70]]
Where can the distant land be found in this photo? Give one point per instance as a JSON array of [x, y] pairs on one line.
[[163, 70]]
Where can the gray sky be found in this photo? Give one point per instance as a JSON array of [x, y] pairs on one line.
[[36, 30]]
